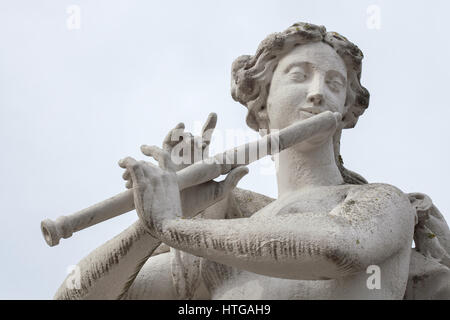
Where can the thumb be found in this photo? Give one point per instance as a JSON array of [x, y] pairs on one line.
[[234, 177]]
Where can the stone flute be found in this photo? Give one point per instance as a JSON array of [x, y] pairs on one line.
[[198, 173]]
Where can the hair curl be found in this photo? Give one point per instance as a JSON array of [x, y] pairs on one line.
[[252, 75]]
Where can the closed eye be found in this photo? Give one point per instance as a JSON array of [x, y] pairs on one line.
[[335, 81], [335, 84], [298, 74]]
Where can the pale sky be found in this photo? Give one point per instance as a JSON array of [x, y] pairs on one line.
[[75, 101]]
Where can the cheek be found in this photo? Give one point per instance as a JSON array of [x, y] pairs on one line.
[[285, 100], [336, 100], [295, 95], [283, 105]]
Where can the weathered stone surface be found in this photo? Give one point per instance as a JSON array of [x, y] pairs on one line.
[[321, 238]]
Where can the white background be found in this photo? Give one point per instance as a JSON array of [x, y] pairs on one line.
[[74, 101]]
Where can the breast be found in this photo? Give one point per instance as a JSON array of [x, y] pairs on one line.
[[229, 283]]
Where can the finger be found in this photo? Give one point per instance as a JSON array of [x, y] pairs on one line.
[[122, 163], [187, 137], [136, 172], [127, 162], [221, 189], [199, 143], [188, 140], [202, 196], [209, 127], [160, 155], [338, 116], [126, 175], [234, 177], [173, 137]]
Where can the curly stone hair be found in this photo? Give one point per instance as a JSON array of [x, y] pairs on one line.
[[252, 75]]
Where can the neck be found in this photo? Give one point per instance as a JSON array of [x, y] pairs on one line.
[[300, 169]]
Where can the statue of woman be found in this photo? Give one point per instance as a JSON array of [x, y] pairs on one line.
[[324, 235]]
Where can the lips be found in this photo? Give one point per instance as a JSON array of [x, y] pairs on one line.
[[312, 111], [305, 115]]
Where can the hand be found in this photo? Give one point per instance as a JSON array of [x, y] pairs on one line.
[[177, 140], [184, 148], [193, 199], [323, 136], [156, 192]]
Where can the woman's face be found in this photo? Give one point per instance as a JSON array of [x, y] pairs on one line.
[[310, 79]]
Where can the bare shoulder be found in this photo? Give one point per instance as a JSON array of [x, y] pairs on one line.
[[379, 193], [373, 189], [378, 200]]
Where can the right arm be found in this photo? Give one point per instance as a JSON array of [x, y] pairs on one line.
[[108, 271]]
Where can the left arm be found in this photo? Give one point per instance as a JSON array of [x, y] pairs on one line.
[[369, 226], [357, 233]]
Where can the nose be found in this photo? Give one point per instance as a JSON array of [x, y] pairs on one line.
[[315, 99], [315, 95]]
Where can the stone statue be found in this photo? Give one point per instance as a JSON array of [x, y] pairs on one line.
[[318, 240]]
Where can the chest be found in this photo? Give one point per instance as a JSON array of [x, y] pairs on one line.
[[317, 201]]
